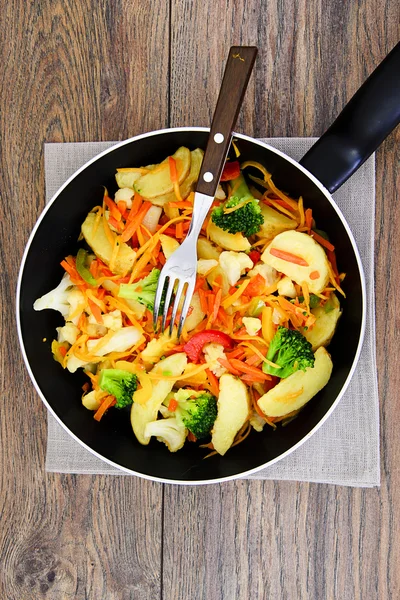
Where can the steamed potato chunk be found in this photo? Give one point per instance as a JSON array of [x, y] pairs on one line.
[[142, 414], [327, 318], [296, 390], [158, 180], [274, 222], [233, 412], [99, 243], [303, 246], [196, 158], [228, 241], [207, 250]]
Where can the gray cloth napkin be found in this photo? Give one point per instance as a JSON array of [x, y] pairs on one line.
[[345, 449]]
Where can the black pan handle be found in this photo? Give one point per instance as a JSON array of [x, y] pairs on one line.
[[372, 113]]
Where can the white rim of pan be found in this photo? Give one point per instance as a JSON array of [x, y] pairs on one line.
[[243, 474]]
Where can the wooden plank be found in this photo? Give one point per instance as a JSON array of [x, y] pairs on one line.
[[275, 539], [70, 71]]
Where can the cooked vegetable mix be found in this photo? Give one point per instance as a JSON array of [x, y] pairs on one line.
[[266, 305]]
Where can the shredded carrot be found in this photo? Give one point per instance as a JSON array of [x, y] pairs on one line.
[[133, 225], [199, 283], [280, 208], [301, 212], [173, 405], [95, 311], [214, 385], [136, 205], [182, 204], [104, 406], [288, 257], [308, 219], [216, 305], [322, 241], [203, 300], [115, 213], [121, 205], [179, 231], [248, 369], [267, 326], [228, 366], [314, 275], [229, 300]]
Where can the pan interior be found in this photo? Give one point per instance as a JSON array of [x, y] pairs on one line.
[[112, 438]]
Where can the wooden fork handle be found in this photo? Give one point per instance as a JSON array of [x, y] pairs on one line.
[[234, 83]]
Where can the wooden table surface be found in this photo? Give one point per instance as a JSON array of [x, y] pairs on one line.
[[80, 70]]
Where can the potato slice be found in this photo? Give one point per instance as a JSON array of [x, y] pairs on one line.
[[207, 250], [274, 222], [316, 274], [142, 414], [102, 248], [327, 318], [188, 184], [158, 181], [296, 390], [168, 245], [233, 412], [228, 241], [197, 315], [211, 277]]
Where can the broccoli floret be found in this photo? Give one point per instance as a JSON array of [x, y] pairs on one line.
[[247, 219], [291, 351], [143, 291], [119, 383], [198, 414]]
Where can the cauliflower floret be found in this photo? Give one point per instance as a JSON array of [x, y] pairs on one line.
[[170, 431], [256, 421], [233, 263], [286, 287], [66, 298], [125, 195], [277, 318], [212, 352], [204, 265], [269, 273], [252, 325], [113, 320], [69, 333], [220, 194], [119, 341], [74, 363], [151, 218]]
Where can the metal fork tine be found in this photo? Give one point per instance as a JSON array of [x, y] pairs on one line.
[[185, 307], [178, 295], [157, 300], [170, 289]]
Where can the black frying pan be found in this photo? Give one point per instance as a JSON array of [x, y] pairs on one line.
[[368, 118]]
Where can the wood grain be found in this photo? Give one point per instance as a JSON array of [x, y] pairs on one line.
[[285, 540], [70, 71], [79, 70]]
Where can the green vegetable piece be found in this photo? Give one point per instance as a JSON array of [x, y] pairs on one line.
[[81, 262], [247, 219], [197, 414], [119, 383], [291, 351], [143, 291], [314, 300]]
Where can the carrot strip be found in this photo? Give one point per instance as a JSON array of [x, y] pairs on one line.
[[104, 406], [314, 275], [308, 219], [229, 300], [249, 370], [322, 241], [203, 300], [181, 204], [112, 208], [131, 228], [136, 205], [199, 283], [179, 231], [121, 205], [289, 257], [213, 382], [228, 366], [216, 305], [95, 310]]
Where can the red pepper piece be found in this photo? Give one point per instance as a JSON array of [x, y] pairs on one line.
[[230, 171], [254, 256], [195, 345]]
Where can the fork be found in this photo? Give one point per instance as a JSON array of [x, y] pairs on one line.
[[179, 272]]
